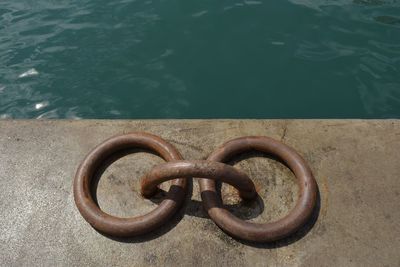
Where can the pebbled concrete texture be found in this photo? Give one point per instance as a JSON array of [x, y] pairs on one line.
[[355, 162]]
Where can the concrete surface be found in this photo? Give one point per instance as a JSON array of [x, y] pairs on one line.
[[355, 162]]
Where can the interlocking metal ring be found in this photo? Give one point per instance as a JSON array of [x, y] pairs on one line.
[[266, 232], [125, 227], [199, 168], [212, 169]]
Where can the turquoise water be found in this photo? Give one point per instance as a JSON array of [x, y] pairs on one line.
[[200, 59]]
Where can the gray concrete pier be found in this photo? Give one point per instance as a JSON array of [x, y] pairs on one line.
[[355, 162]]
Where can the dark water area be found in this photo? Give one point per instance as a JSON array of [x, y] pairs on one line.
[[200, 59]]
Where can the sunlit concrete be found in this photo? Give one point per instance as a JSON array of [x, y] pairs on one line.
[[355, 162]]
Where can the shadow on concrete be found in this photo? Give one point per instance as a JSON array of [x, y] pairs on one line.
[[195, 208], [244, 210], [299, 234], [161, 195]]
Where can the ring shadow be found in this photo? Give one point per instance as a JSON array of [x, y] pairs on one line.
[[294, 237], [157, 198], [245, 209], [298, 234]]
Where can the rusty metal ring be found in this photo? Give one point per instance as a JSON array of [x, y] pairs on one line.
[[199, 168], [266, 232], [125, 227]]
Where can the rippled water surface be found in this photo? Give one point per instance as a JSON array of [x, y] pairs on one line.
[[200, 59]]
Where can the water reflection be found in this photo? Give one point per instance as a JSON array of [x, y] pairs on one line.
[[41, 105], [390, 20], [188, 59], [29, 73], [318, 4]]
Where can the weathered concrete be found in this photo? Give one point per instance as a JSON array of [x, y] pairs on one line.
[[356, 164]]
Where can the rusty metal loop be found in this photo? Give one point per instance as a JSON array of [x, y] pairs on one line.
[[214, 168], [198, 168], [125, 227], [266, 232]]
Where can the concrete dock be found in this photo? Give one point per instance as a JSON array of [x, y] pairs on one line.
[[355, 162]]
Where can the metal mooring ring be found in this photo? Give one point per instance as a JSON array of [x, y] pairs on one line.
[[198, 168], [125, 227], [296, 218]]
